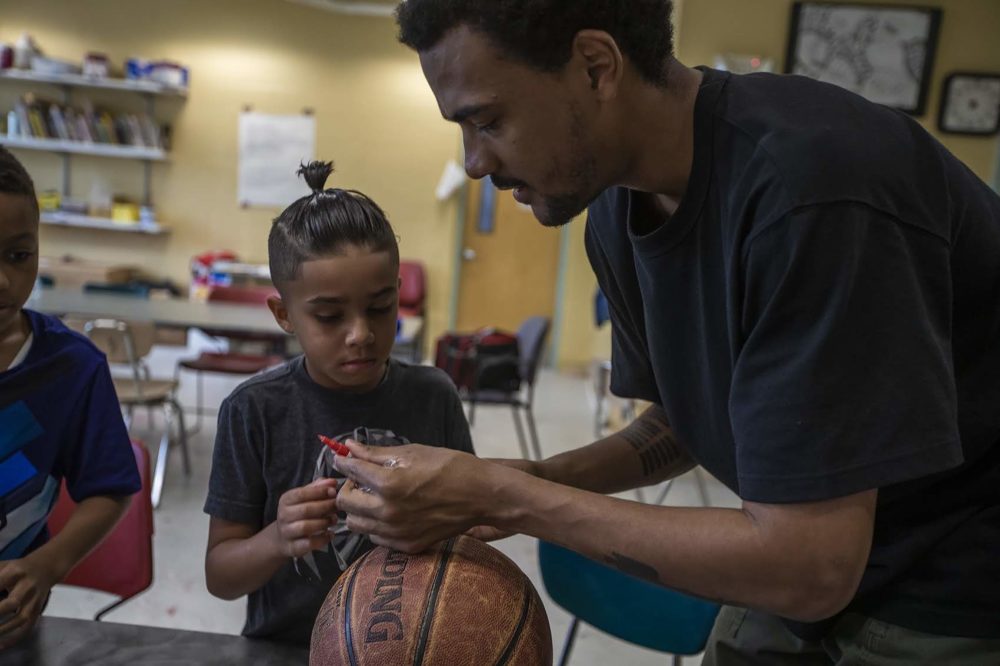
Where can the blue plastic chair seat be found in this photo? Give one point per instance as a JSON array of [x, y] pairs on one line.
[[624, 606]]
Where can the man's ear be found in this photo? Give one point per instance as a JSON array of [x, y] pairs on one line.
[[597, 56], [280, 312]]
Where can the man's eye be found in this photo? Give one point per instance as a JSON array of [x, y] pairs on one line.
[[327, 318]]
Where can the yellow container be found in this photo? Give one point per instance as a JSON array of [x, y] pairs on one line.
[[124, 213], [49, 200]]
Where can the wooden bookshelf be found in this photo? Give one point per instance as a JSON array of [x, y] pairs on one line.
[[84, 148], [78, 81], [61, 219]]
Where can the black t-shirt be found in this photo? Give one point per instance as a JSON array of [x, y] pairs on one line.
[[821, 316], [266, 445]]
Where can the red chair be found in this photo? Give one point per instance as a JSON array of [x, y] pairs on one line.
[[233, 363], [122, 564], [412, 303]]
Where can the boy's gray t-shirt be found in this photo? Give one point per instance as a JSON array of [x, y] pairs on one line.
[[266, 444]]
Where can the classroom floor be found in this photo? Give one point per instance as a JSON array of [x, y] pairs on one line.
[[178, 597]]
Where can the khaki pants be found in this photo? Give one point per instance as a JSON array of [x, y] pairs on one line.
[[744, 637]]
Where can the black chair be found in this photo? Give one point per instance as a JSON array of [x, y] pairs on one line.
[[531, 338]]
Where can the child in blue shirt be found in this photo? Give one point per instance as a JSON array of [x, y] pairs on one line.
[[59, 419]]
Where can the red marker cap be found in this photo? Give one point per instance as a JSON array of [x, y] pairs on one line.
[[334, 445]]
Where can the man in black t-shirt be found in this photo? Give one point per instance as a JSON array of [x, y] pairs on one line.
[[807, 288]]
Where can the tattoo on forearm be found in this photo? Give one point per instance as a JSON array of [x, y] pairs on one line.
[[654, 441], [632, 567]]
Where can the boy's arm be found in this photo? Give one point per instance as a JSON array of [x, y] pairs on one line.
[[240, 558], [28, 580]]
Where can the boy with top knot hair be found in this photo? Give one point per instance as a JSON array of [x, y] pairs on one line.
[[273, 534]]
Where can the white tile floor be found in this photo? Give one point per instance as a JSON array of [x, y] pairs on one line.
[[178, 597]]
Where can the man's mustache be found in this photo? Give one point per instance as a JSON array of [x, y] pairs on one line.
[[505, 184]]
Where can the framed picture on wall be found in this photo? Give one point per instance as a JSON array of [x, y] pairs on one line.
[[970, 103], [883, 52]]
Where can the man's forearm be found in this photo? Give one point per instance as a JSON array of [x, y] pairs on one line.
[[89, 523], [803, 564], [643, 453]]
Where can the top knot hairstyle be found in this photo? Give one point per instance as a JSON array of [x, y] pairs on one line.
[[324, 223], [539, 33], [14, 178]]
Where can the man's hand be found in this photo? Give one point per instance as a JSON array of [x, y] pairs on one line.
[[26, 583], [304, 517], [411, 497]]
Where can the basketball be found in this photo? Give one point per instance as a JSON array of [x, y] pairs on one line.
[[461, 603]]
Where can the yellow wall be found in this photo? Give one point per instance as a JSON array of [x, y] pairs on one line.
[[969, 40], [376, 118]]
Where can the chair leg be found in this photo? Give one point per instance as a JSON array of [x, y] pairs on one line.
[[533, 431], [182, 435], [520, 433], [161, 467], [110, 607], [472, 412], [568, 643], [677, 660], [199, 389]]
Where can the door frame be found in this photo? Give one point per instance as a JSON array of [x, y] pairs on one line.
[[462, 212]]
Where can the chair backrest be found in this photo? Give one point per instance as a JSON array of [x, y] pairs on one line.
[[253, 295], [624, 606], [122, 564], [531, 337], [121, 341], [413, 286]]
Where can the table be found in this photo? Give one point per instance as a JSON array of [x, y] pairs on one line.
[[58, 641], [165, 312]]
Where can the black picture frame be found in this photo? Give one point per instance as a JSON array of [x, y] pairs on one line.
[[948, 98], [873, 80]]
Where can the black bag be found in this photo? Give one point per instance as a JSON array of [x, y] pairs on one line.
[[487, 360]]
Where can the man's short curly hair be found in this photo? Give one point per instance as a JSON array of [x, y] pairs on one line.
[[540, 33]]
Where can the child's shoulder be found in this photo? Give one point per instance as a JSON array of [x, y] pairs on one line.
[[53, 339], [423, 378], [274, 381]]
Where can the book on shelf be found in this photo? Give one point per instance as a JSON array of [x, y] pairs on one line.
[[44, 119]]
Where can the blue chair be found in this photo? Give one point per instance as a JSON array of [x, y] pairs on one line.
[[626, 607]]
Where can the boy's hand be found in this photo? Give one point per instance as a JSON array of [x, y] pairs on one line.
[[304, 517], [26, 583]]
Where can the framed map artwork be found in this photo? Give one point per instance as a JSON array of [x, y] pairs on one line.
[[970, 103], [883, 52]]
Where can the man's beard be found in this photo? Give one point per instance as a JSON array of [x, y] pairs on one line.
[[560, 209]]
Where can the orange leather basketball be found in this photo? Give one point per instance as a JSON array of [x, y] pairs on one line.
[[461, 603]]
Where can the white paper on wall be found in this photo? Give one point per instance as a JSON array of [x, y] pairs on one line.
[[271, 149]]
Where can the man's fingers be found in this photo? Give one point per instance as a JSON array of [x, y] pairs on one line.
[[378, 455], [364, 473], [354, 500]]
